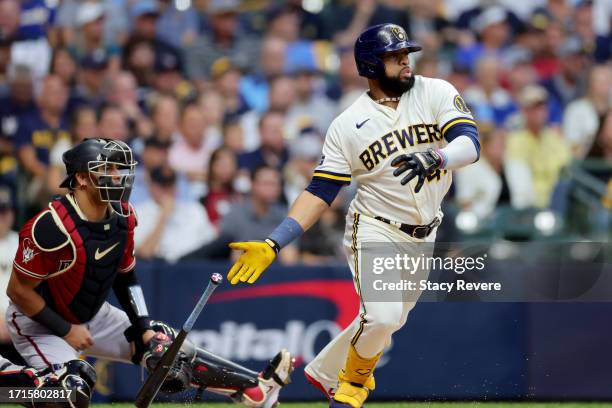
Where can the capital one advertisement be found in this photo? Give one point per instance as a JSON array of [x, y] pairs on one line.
[[445, 351]]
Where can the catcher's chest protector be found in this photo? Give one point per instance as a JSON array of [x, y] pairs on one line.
[[98, 248]]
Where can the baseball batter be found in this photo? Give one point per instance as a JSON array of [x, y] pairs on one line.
[[399, 142], [69, 258]]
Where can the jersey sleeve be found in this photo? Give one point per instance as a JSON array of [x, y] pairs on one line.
[[449, 108], [34, 263], [333, 165], [128, 261]]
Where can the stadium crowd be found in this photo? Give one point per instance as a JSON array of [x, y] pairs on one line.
[[226, 102]]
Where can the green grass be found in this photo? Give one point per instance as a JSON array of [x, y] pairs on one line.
[[399, 405], [387, 405]]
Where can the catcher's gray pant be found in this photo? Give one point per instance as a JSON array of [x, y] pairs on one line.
[[40, 348]]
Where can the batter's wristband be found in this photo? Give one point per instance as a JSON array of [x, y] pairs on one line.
[[52, 321], [287, 231]]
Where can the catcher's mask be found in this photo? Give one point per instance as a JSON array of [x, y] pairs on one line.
[[110, 166]]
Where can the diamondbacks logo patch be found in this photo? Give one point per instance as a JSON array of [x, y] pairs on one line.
[[461, 105], [399, 33], [28, 250]]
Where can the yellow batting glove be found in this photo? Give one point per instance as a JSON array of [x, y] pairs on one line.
[[257, 256]]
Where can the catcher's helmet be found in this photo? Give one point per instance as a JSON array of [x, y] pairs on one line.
[[110, 165], [377, 40]]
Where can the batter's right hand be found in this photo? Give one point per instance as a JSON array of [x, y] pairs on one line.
[[79, 337], [257, 256]]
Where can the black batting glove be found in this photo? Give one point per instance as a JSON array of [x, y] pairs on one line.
[[420, 164]]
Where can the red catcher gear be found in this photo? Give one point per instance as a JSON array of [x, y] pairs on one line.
[[76, 259]]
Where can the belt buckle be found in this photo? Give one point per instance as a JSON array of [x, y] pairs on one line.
[[414, 231]]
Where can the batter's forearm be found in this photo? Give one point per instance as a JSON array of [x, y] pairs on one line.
[[307, 209], [460, 152]]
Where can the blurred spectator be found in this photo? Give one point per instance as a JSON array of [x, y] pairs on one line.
[[583, 25], [5, 61], [224, 40], [272, 152], [305, 155], [283, 22], [174, 227], [220, 195], [123, 93], [9, 19], [350, 84], [70, 15], [64, 65], [177, 27], [320, 244], [32, 45], [582, 117], [471, 20], [233, 137], [154, 155], [486, 93], [18, 100], [343, 20], [112, 124], [494, 33], [145, 15], [535, 154], [226, 77], [282, 96], [90, 21], [211, 105], [169, 79], [8, 247], [83, 125], [491, 189], [271, 64], [260, 213], [189, 154], [568, 83], [139, 59], [602, 146], [426, 23], [311, 108], [93, 78], [38, 132], [165, 115]]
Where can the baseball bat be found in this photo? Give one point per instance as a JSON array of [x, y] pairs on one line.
[[151, 387]]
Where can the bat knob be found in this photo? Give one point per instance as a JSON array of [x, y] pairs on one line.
[[216, 278]]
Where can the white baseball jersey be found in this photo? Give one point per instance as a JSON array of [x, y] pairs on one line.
[[363, 140]]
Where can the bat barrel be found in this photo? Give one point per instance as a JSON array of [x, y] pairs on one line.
[[215, 280]]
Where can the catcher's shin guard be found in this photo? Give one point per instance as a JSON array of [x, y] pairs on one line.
[[210, 371], [356, 380]]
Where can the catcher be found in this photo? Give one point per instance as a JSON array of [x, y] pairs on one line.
[[71, 255]]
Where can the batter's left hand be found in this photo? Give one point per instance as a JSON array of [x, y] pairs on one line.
[[420, 164], [257, 256]]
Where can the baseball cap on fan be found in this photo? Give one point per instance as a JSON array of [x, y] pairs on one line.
[[223, 7], [490, 16], [145, 8], [88, 13], [532, 95]]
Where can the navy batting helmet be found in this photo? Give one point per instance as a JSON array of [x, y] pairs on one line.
[[377, 40]]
